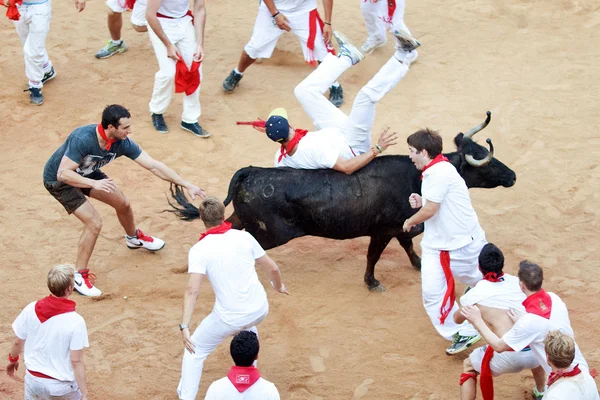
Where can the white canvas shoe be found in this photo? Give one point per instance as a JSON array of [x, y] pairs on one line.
[[347, 48], [372, 44], [84, 283], [142, 240], [404, 41]]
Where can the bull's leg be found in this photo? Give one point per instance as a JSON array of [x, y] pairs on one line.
[[376, 247], [407, 245]]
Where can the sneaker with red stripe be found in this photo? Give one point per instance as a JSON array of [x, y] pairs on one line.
[[84, 283], [142, 240]]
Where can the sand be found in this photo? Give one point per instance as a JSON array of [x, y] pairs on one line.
[[533, 63]]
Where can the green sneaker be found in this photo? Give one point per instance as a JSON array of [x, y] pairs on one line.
[[461, 343], [111, 49], [537, 395]]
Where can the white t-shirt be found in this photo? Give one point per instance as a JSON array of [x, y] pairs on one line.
[[223, 389], [174, 8], [227, 260], [503, 295], [292, 8], [48, 344], [531, 330], [317, 150], [579, 387], [455, 224]]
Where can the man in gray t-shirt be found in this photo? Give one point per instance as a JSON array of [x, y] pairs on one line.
[[73, 172]]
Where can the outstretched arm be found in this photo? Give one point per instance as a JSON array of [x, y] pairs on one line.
[[352, 165], [165, 173]]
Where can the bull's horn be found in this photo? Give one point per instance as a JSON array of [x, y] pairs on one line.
[[480, 126], [480, 163]]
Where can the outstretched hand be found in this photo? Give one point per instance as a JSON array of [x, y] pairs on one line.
[[387, 139], [194, 191]]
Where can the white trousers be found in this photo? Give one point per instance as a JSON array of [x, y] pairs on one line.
[[464, 263], [508, 362], [50, 389], [138, 14], [266, 34], [355, 127], [33, 27], [210, 333], [182, 34], [375, 15]]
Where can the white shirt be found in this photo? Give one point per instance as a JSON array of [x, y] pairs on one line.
[[227, 260], [317, 150], [292, 8], [223, 389], [174, 8], [455, 224], [531, 330], [503, 295], [579, 387], [48, 344]]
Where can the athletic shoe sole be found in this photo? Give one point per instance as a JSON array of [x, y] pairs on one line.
[[134, 247], [113, 53], [207, 134]]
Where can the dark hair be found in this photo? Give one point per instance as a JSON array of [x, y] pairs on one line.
[[112, 115], [244, 348], [491, 259], [426, 139], [531, 275]]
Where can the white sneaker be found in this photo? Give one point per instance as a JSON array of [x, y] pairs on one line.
[[371, 44], [84, 283], [148, 242], [404, 41], [406, 58], [347, 48]]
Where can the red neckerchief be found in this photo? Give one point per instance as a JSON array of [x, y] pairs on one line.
[[187, 80], [243, 377], [109, 142], [539, 303], [313, 18], [12, 11], [438, 159], [217, 230], [449, 296], [51, 306], [493, 277], [486, 383], [554, 376], [285, 149]]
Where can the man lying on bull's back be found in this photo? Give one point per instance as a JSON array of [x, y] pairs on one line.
[[343, 142]]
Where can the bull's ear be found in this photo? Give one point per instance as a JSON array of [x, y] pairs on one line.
[[458, 140]]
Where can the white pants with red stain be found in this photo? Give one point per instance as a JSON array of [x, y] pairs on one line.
[[356, 127], [211, 332], [375, 15], [182, 34], [50, 389], [33, 27], [464, 263]]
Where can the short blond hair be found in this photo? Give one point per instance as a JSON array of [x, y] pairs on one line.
[[212, 211], [560, 349], [60, 278]]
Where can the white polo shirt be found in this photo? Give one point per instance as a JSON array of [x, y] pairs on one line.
[[227, 260], [48, 344], [581, 387], [317, 150], [531, 330], [455, 224], [503, 295], [223, 389], [292, 8]]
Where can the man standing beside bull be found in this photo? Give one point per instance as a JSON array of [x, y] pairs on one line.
[[452, 239]]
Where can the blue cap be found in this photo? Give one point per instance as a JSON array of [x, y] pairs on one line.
[[277, 126]]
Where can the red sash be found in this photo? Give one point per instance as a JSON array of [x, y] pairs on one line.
[[51, 306], [391, 10], [313, 19], [217, 230], [438, 159], [486, 381], [449, 296], [189, 12], [12, 11], [243, 377], [109, 142], [187, 80], [40, 375]]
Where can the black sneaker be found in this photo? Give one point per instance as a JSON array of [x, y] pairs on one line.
[[159, 123], [336, 95], [35, 96], [231, 82], [461, 343], [49, 75], [195, 128]]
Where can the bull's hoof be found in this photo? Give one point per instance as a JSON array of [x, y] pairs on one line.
[[378, 288], [416, 263]]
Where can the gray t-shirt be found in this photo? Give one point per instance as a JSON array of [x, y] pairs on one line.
[[82, 147]]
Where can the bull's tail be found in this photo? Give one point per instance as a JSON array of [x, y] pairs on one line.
[[187, 211], [238, 177]]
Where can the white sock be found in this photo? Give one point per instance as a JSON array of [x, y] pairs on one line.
[[336, 84], [237, 71], [116, 41]]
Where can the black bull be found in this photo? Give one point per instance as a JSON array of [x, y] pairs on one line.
[[277, 205]]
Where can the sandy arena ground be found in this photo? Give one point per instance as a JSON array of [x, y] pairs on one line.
[[533, 63]]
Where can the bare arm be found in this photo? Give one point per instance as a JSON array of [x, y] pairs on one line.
[[15, 350], [165, 173], [327, 30], [271, 268], [199, 23], [422, 215], [271, 6], [154, 23], [66, 174], [386, 139], [192, 291], [473, 314], [280, 19], [79, 371]]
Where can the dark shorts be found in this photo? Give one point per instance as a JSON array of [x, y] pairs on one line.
[[71, 197]]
